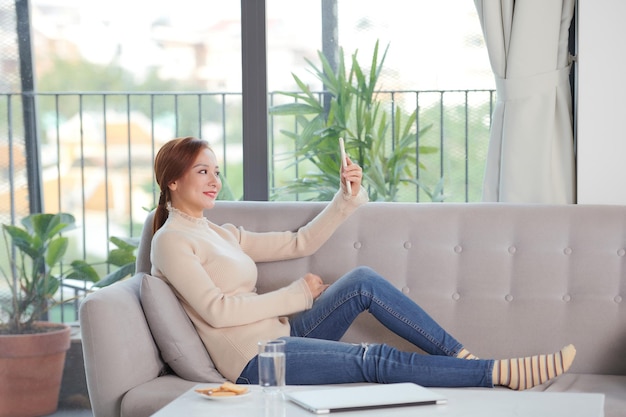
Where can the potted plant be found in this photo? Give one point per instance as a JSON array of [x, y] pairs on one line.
[[385, 145], [32, 350]]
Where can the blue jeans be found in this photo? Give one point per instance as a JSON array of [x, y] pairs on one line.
[[315, 356]]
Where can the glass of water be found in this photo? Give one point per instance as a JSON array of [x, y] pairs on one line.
[[272, 365]]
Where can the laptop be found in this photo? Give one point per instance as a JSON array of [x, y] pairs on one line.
[[364, 397]]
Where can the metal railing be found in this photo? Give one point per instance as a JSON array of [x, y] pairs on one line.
[[97, 149]]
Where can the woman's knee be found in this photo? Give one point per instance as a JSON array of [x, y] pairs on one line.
[[363, 277], [363, 272]]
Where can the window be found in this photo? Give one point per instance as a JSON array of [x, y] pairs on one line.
[[110, 87], [436, 63]]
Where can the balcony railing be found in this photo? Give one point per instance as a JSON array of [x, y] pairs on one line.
[[97, 149]]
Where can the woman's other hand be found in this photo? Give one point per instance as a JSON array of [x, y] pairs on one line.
[[353, 173], [315, 284]]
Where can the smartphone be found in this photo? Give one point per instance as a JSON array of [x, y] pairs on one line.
[[344, 163]]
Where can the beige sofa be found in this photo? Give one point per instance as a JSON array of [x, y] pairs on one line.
[[507, 280]]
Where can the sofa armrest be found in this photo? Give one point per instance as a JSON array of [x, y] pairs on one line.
[[118, 348]]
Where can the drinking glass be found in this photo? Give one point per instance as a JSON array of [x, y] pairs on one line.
[[272, 365]]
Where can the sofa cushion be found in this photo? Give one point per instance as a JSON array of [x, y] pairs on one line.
[[146, 399], [174, 333]]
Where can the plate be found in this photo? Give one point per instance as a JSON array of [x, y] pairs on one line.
[[224, 398]]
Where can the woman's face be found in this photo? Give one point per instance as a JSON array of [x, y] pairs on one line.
[[198, 188]]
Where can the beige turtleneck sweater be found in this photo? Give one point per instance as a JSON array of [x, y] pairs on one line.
[[212, 270]]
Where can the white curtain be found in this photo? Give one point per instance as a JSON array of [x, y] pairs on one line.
[[531, 148]]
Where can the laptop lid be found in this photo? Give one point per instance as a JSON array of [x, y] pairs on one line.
[[363, 397]]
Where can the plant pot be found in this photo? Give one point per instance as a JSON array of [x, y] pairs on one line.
[[31, 369]]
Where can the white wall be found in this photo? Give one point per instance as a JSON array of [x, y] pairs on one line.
[[601, 112]]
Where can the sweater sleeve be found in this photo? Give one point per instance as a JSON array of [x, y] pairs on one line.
[[176, 261], [273, 246]]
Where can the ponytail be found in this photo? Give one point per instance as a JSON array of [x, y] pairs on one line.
[[160, 214]]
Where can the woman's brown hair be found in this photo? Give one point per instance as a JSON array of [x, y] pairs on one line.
[[171, 162]]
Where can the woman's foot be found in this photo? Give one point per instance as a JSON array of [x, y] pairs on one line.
[[524, 373], [465, 354]]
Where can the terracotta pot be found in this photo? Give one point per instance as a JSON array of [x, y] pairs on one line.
[[31, 369]]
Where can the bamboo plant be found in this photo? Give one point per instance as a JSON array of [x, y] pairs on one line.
[[384, 144]]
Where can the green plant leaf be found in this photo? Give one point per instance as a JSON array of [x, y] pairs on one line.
[[21, 239], [293, 109], [116, 275], [126, 243], [56, 250], [119, 257], [83, 271], [52, 286]]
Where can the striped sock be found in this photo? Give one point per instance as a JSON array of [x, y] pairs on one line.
[[465, 354], [524, 373]]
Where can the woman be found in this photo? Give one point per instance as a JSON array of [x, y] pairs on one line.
[[212, 270]]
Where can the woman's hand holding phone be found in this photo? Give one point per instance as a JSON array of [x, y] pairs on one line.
[[344, 165]]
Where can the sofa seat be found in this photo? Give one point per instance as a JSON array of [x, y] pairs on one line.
[[612, 386]]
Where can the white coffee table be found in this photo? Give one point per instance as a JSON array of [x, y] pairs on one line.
[[461, 403]]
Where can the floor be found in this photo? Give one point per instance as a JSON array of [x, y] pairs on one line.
[[72, 413]]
